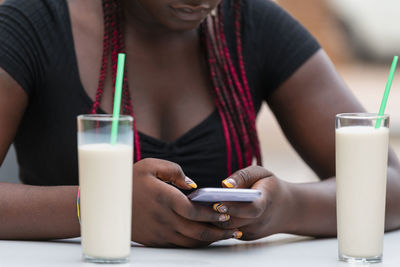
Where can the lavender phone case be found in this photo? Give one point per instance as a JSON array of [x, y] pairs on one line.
[[224, 194]]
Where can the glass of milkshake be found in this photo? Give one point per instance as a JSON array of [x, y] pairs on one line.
[[105, 179], [362, 141]]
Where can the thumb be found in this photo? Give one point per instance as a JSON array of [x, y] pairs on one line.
[[245, 178], [173, 173]]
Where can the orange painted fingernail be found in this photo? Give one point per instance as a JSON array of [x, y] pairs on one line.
[[230, 183], [237, 234], [215, 206], [190, 183], [219, 207], [193, 185]]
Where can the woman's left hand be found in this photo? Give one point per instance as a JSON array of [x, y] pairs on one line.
[[269, 214]]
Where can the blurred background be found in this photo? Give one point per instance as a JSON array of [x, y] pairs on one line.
[[361, 37]]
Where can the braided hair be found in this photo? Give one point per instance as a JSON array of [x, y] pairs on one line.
[[230, 86]]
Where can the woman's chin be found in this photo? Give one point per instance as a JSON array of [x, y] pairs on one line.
[[182, 26]]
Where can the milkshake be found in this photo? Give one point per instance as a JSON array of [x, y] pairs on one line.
[[361, 163], [105, 173], [105, 179]]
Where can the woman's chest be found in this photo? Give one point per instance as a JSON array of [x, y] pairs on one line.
[[168, 78]]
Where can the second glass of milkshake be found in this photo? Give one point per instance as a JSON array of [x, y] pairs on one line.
[[362, 141]]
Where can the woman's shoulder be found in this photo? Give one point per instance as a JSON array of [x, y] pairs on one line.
[[261, 7], [30, 34], [256, 10], [43, 17], [263, 20], [35, 8]]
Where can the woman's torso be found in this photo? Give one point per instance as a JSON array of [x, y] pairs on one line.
[[174, 107]]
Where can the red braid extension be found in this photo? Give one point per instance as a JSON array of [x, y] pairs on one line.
[[240, 57], [246, 84], [221, 103], [232, 92], [248, 103], [127, 102], [223, 98], [121, 44], [103, 70], [226, 125], [246, 98], [114, 48]]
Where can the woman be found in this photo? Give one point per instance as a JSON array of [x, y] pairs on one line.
[[197, 73]]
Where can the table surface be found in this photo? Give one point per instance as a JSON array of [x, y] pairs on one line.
[[277, 250]]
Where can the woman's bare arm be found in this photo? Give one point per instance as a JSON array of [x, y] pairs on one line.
[[30, 212]]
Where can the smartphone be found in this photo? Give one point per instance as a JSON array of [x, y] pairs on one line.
[[209, 194]]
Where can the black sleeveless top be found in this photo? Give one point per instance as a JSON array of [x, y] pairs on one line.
[[37, 50]]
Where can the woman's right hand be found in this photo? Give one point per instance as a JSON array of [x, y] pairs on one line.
[[162, 216]]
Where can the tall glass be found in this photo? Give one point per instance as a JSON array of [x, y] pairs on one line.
[[361, 165], [105, 179]]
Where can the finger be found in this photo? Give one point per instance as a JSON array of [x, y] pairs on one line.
[[234, 223], [245, 178], [243, 210], [220, 207], [180, 240], [185, 208], [250, 233], [246, 210], [203, 232], [172, 172]]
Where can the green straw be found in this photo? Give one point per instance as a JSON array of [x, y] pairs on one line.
[[117, 97], [386, 94]]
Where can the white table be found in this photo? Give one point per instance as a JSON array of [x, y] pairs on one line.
[[274, 251]]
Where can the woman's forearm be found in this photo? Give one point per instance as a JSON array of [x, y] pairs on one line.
[[392, 218], [313, 209], [314, 206], [38, 212]]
